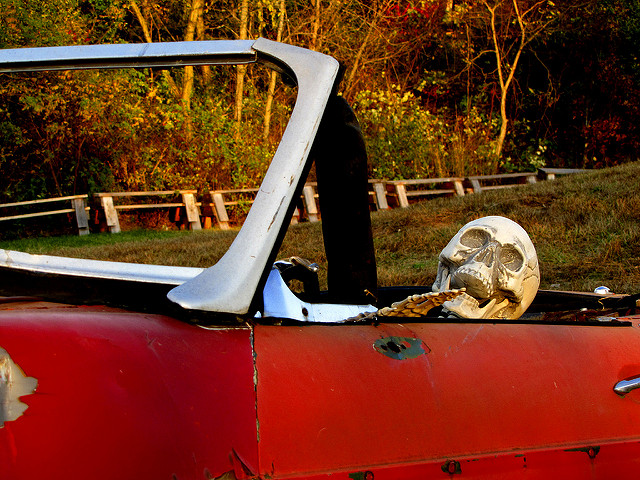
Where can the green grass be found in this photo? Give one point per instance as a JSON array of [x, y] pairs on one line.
[[586, 229]]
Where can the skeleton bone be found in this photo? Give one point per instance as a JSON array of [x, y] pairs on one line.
[[413, 306]]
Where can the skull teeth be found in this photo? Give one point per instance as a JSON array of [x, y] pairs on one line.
[[479, 285], [447, 282]]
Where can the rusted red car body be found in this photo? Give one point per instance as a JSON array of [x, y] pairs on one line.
[[130, 395], [255, 383]]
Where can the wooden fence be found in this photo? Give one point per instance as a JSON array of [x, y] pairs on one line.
[[156, 200], [221, 199], [185, 208], [78, 208]]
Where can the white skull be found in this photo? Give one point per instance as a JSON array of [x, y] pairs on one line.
[[495, 260]]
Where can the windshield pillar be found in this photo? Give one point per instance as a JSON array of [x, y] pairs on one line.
[[341, 169]]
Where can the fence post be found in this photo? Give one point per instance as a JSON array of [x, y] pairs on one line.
[[457, 186], [82, 219], [380, 193], [220, 210], [402, 195], [475, 183], [193, 215], [295, 217], [110, 214], [310, 203]]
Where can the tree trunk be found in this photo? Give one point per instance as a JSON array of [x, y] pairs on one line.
[[503, 64], [316, 26], [143, 22], [187, 82], [206, 69], [146, 31], [272, 80], [241, 69], [349, 84], [194, 16], [376, 16]]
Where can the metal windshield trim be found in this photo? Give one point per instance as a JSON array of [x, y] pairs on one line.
[[139, 55], [81, 267], [230, 285]]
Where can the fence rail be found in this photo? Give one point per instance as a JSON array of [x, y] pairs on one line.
[[384, 194], [156, 199], [78, 208]]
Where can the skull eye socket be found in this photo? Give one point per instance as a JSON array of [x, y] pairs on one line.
[[511, 258], [474, 238]]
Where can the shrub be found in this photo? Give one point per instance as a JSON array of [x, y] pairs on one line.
[[405, 140]]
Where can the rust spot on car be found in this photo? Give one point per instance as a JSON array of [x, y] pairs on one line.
[[400, 348], [361, 475], [451, 467], [13, 385], [591, 451]]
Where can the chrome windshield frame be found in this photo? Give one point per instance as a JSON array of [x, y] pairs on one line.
[[139, 55], [233, 283]]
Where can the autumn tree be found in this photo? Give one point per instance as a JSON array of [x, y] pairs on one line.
[[440, 86], [503, 29], [595, 121]]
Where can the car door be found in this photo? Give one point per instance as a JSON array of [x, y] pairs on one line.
[[419, 400]]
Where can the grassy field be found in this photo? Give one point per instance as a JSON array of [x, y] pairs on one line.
[[586, 229]]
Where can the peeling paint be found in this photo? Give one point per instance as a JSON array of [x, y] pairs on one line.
[[361, 475], [592, 451], [13, 385], [254, 356], [451, 467], [400, 348]]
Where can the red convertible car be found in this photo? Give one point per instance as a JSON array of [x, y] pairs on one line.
[[122, 371]]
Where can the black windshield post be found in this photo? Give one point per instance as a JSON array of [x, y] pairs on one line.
[[341, 170]]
